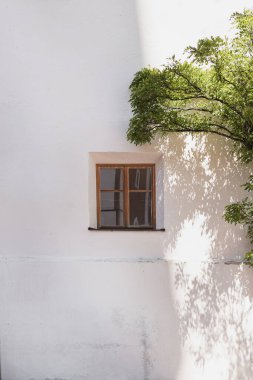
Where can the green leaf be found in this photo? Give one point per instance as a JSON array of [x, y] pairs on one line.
[[209, 92]]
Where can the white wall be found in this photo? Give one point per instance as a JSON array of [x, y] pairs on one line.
[[99, 305]]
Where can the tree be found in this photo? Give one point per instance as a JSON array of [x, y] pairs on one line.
[[211, 91], [242, 212]]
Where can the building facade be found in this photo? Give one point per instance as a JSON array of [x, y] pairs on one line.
[[80, 303]]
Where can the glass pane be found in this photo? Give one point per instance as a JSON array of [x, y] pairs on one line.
[[140, 179], [111, 179], [112, 213], [140, 209]]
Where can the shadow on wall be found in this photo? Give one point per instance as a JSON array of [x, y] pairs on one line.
[[214, 301], [200, 177], [215, 318]]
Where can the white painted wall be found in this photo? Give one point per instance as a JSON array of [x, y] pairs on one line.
[[100, 305]]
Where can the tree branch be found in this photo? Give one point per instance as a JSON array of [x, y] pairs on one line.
[[184, 129], [210, 131], [190, 109], [204, 96]]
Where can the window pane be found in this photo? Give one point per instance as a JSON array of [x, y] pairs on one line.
[[140, 179], [111, 179], [140, 209], [112, 213]]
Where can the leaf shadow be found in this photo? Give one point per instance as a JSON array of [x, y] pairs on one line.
[[214, 301]]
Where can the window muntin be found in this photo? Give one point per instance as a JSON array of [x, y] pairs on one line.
[[112, 212], [126, 196]]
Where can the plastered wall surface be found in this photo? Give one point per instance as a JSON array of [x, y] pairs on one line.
[[101, 305]]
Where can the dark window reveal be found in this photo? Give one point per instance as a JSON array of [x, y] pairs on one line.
[[126, 196]]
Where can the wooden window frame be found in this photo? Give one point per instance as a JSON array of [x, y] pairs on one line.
[[126, 192]]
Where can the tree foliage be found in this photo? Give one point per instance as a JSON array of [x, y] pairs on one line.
[[211, 91], [242, 213]]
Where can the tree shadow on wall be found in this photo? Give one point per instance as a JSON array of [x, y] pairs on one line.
[[214, 301], [215, 317], [201, 176]]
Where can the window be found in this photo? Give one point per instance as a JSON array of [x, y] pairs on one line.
[[126, 196]]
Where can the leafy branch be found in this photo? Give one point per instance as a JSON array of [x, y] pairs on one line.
[[211, 91]]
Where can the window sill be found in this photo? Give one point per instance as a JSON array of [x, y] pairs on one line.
[[126, 229]]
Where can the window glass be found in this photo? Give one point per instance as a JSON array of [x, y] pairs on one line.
[[111, 179], [140, 178], [140, 209], [112, 213]]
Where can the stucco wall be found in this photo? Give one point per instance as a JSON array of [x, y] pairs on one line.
[[77, 304]]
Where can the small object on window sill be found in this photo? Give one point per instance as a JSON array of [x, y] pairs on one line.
[[125, 229]]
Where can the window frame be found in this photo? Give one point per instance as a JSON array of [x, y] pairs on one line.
[[126, 193]]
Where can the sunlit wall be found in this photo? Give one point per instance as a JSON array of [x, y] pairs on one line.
[[95, 305]]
